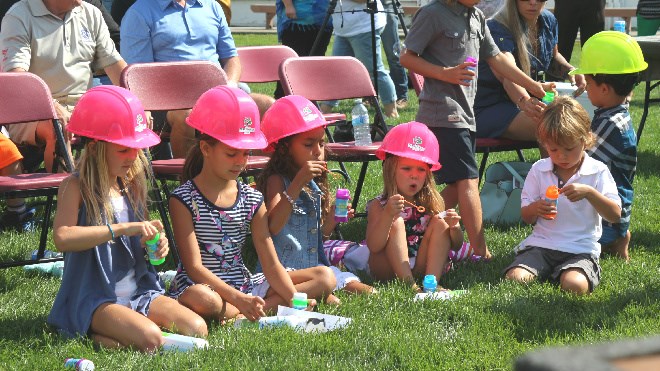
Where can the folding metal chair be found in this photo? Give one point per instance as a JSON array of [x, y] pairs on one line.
[[330, 78], [484, 145], [165, 86], [25, 97], [261, 64]]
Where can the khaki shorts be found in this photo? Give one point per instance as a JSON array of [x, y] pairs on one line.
[[26, 133]]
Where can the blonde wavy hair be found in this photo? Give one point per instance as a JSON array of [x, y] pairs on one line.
[[428, 196], [95, 184], [510, 17], [566, 123]]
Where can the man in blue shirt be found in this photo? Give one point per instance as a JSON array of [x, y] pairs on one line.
[[180, 30]]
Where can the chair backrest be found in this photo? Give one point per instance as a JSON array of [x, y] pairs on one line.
[[417, 81], [330, 78], [261, 63], [171, 85], [25, 97], [326, 78]]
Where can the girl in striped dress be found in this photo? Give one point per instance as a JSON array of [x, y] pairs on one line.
[[212, 213]]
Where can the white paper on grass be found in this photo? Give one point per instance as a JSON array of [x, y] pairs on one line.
[[315, 321], [438, 295]]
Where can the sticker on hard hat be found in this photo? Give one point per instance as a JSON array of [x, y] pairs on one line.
[[308, 115], [140, 126], [416, 145], [247, 126]]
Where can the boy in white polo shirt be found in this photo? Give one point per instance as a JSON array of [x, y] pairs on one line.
[[563, 246]]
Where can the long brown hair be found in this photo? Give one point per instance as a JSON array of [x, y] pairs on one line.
[[283, 164], [428, 196], [510, 17], [195, 159], [95, 184]]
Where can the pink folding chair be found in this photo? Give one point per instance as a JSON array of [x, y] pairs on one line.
[[165, 86], [261, 64], [484, 145], [330, 78], [25, 97]]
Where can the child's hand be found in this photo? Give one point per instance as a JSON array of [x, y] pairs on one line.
[[460, 75], [452, 218], [147, 229], [252, 307], [311, 170], [545, 209], [394, 205], [576, 192]]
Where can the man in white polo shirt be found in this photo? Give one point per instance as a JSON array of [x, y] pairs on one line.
[[63, 42]]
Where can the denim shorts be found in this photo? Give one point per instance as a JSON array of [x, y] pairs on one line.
[[548, 264], [612, 232]]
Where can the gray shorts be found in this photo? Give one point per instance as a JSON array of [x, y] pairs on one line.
[[547, 264]]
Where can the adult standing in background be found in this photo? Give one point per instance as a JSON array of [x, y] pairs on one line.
[[63, 42], [648, 17], [298, 24], [180, 30], [392, 47], [573, 15]]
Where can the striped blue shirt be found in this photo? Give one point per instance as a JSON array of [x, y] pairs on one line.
[[221, 234], [616, 147]]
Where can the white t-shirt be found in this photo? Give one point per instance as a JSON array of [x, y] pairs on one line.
[[127, 286], [347, 24], [577, 227]]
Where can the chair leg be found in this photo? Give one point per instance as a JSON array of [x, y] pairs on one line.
[[358, 187], [482, 166], [521, 156], [166, 221]]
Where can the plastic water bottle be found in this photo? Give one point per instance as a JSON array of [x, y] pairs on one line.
[[152, 246], [299, 301], [620, 26], [430, 284], [79, 364], [183, 343], [470, 68], [48, 254], [552, 195], [548, 98], [341, 205], [360, 121]]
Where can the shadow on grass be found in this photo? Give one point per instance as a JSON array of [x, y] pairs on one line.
[[542, 314], [24, 328], [648, 163]]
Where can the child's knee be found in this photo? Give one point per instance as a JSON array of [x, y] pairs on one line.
[[151, 339], [575, 281], [326, 278], [203, 301], [519, 274]]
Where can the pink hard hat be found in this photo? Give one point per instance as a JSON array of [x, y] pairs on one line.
[[229, 115], [412, 140], [290, 115], [112, 114]]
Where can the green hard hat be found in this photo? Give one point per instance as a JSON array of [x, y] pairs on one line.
[[611, 52]]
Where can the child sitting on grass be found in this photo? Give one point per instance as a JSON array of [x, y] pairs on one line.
[[564, 244]]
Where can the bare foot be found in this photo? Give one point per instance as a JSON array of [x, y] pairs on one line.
[[332, 300], [390, 110], [619, 247], [483, 251], [357, 287]]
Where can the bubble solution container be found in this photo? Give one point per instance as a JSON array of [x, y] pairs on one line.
[[152, 246], [430, 284], [78, 364], [299, 300], [552, 195], [341, 205], [548, 98]]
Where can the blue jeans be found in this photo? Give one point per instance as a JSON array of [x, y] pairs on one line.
[[359, 46], [392, 46]]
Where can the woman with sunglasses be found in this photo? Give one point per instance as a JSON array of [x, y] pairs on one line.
[[527, 33]]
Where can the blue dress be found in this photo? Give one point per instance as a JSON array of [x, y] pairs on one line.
[[90, 276], [493, 109]]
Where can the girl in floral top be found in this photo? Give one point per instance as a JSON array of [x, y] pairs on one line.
[[411, 209]]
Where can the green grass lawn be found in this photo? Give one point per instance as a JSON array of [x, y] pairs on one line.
[[487, 328]]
